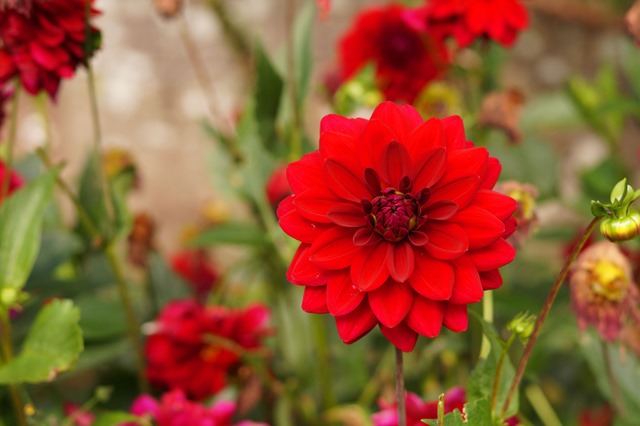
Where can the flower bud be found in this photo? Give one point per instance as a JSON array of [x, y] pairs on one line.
[[623, 228], [522, 326]]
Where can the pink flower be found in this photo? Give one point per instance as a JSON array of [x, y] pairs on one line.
[[418, 409], [80, 416]]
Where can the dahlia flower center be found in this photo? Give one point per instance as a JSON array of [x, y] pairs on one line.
[[609, 281], [401, 46], [394, 214]]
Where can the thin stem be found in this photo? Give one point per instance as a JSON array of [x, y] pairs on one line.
[[487, 315], [496, 380], [132, 320], [328, 398], [618, 403], [11, 141], [295, 141], [541, 405], [402, 411], [543, 314], [232, 31], [7, 356]]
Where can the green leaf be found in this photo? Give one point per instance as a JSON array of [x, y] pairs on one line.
[[114, 418], [302, 32], [597, 209], [452, 419], [91, 196], [268, 92], [235, 233], [52, 346], [619, 191], [20, 230], [481, 380], [101, 319]]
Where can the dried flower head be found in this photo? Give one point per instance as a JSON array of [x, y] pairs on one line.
[[502, 110], [603, 294], [525, 215], [141, 239]]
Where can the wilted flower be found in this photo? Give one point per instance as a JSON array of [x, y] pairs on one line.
[[140, 240], [116, 161], [417, 409], [197, 269], [43, 42], [502, 110], [405, 58], [277, 186], [466, 20], [525, 215], [174, 409], [195, 348], [398, 223], [632, 19], [602, 292], [168, 8], [15, 180]]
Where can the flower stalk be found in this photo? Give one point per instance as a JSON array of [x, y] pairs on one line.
[[7, 355], [544, 312], [11, 140], [402, 411]]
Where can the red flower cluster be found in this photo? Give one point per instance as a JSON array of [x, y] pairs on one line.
[[417, 409], [15, 181], [174, 409], [195, 347], [406, 58], [5, 96], [195, 267], [398, 224], [466, 20], [43, 42]]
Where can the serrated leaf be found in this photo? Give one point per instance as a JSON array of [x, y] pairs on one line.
[[234, 233], [114, 418], [52, 346], [268, 92], [20, 230]]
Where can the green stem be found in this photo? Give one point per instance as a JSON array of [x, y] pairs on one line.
[[328, 397], [487, 315], [617, 398], [132, 320], [402, 411], [543, 314], [7, 355], [232, 31], [371, 389], [541, 405], [11, 141], [295, 140], [496, 380]]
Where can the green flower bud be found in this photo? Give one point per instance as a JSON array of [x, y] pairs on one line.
[[622, 228], [522, 326]]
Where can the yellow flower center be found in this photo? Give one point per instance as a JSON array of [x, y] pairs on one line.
[[609, 281]]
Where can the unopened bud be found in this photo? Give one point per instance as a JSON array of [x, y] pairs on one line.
[[522, 326]]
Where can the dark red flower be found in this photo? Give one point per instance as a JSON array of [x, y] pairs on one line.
[[405, 58], [43, 42], [602, 416], [15, 180], [5, 96], [277, 186], [196, 347], [417, 409], [195, 267], [466, 20], [80, 416], [399, 224]]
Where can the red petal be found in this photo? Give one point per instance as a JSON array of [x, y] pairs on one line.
[[467, 287], [356, 324], [305, 173], [296, 226], [492, 174], [482, 228], [391, 302], [494, 256], [446, 240], [400, 261], [429, 168], [334, 249], [369, 268], [339, 124], [314, 300], [347, 215], [423, 139], [457, 186], [432, 278], [456, 317], [315, 203], [343, 180], [342, 295], [442, 210], [401, 336], [375, 137], [425, 316], [401, 118], [365, 236], [418, 238], [454, 131], [338, 145], [510, 226], [491, 280], [502, 206], [304, 272], [394, 164], [471, 160]]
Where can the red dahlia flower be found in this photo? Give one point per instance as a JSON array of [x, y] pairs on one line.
[[42, 42], [195, 347], [466, 20], [195, 267], [15, 180], [399, 224], [277, 187], [405, 58]]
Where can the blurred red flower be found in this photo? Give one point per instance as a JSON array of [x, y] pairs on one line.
[[399, 224], [195, 267], [466, 20], [5, 96], [15, 180], [406, 58], [417, 409], [196, 347], [80, 416], [277, 186], [43, 42]]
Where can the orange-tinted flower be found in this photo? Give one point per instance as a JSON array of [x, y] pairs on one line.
[[398, 224], [195, 348], [406, 58], [43, 42]]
